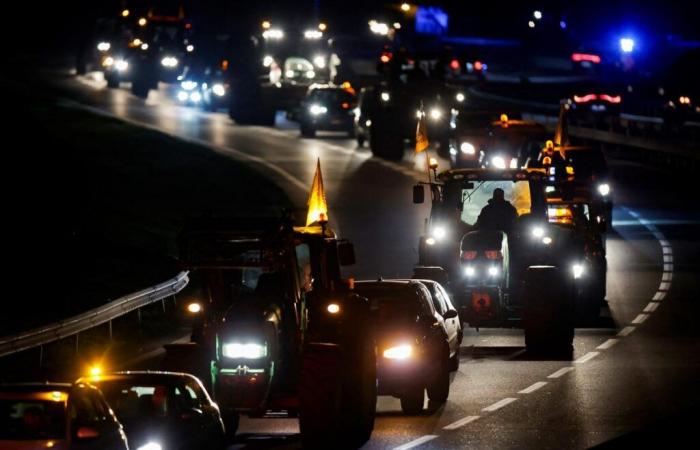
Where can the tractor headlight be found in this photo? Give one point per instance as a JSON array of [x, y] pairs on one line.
[[169, 61], [401, 352], [121, 65], [469, 271], [577, 270], [493, 271], [218, 89], [439, 233], [467, 148], [498, 162], [104, 46], [316, 109], [436, 114], [604, 189], [238, 350], [188, 85]]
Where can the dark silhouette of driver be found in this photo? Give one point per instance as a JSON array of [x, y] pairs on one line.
[[498, 214]]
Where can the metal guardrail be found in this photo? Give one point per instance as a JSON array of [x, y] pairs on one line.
[[106, 313]]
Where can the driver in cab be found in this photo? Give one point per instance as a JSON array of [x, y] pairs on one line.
[[498, 214]]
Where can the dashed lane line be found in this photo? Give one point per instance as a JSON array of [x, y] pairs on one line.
[[561, 372], [461, 422], [532, 388], [416, 442], [587, 357], [607, 344], [499, 404]]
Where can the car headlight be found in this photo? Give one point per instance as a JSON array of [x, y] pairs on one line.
[[439, 233], [188, 85], [290, 74], [150, 446], [238, 350], [469, 271], [169, 61], [320, 62], [577, 270], [385, 96], [108, 61], [604, 189], [317, 109], [538, 232], [196, 97], [218, 89], [182, 96], [460, 97], [498, 162], [467, 148], [546, 240], [430, 241], [310, 74], [121, 65], [104, 46], [435, 113], [400, 352], [514, 163], [493, 271]]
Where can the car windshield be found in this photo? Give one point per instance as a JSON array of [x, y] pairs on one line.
[[132, 400], [472, 200], [32, 419]]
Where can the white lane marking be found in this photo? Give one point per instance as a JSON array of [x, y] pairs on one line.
[[641, 318], [659, 296], [667, 250], [607, 344], [664, 286], [664, 242], [667, 276], [626, 331], [499, 404], [651, 307], [668, 258], [416, 442], [668, 267], [460, 423], [587, 357], [533, 387], [560, 372]]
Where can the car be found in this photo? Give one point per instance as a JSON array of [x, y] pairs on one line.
[[163, 410], [415, 351], [327, 108], [57, 415], [595, 104], [203, 86]]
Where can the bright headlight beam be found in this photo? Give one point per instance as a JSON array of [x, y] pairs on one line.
[[498, 162], [196, 97], [467, 148], [104, 46], [121, 65], [385, 96], [150, 446], [317, 109], [188, 85], [439, 232], [182, 96], [469, 271], [493, 271], [604, 189], [436, 113], [538, 232], [400, 352], [577, 270], [218, 89], [460, 97], [237, 350]]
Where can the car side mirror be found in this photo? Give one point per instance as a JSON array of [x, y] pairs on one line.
[[87, 433], [450, 314], [418, 194], [346, 253]]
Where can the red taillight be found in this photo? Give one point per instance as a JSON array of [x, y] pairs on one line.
[[345, 105], [579, 57], [386, 57], [478, 65], [454, 64], [493, 254], [611, 98], [469, 255], [585, 98]]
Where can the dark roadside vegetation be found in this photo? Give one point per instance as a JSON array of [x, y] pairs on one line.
[[94, 205]]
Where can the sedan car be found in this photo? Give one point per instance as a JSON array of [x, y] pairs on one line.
[[327, 108], [163, 410], [59, 416], [414, 346]]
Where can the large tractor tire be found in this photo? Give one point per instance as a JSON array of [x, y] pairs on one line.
[[338, 394], [548, 310]]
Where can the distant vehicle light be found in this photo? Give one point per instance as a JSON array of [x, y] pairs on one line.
[[266, 24], [182, 96], [684, 100], [333, 308], [320, 61], [190, 48], [322, 26], [218, 89], [268, 60], [514, 163], [385, 96], [604, 189], [121, 65], [577, 270], [580, 57], [386, 57], [454, 64], [379, 28], [460, 97], [627, 45], [144, 46], [316, 109], [169, 61], [244, 351], [273, 34], [125, 13], [585, 98], [498, 162], [150, 446], [469, 271], [143, 22], [478, 66], [546, 240], [531, 23], [467, 148], [310, 74], [194, 308], [104, 46], [188, 85], [108, 61], [538, 232], [493, 271], [400, 352], [196, 97], [435, 113], [313, 34], [610, 98], [290, 74], [537, 14], [397, 26], [405, 7], [430, 241], [439, 233]]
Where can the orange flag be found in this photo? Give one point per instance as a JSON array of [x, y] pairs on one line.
[[318, 207], [421, 133]]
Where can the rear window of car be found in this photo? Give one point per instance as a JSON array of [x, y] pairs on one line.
[[22, 420], [396, 302]]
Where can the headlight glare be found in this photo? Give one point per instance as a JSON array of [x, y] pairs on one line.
[[239, 350], [498, 162], [400, 352], [150, 446], [604, 189], [467, 148], [577, 270], [316, 109], [218, 89]]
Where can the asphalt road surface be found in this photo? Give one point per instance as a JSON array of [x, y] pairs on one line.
[[634, 378]]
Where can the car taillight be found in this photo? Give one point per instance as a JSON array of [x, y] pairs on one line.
[[478, 65], [454, 64], [580, 57], [493, 254], [386, 57], [469, 255], [345, 105], [585, 98], [610, 98]]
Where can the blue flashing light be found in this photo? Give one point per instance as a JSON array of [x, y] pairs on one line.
[[562, 24], [627, 45]]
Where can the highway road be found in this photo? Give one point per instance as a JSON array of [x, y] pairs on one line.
[[635, 375]]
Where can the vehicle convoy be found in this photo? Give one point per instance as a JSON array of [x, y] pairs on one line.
[[494, 140], [36, 416], [276, 65], [388, 111], [327, 108], [418, 346], [280, 330], [162, 410], [512, 256]]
